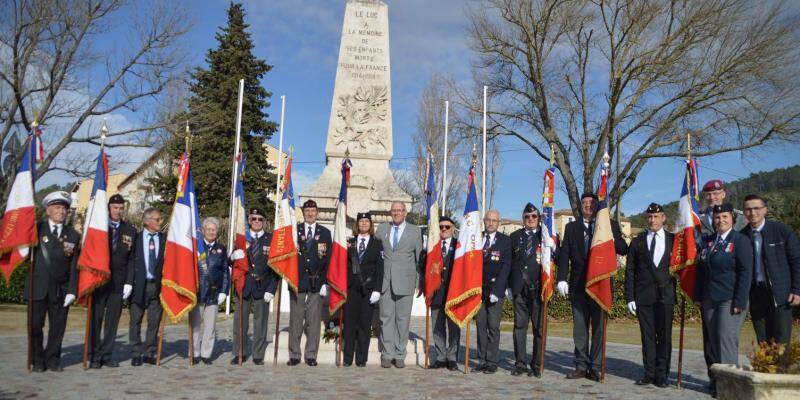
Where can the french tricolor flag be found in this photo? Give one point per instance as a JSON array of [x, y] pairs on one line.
[[19, 221], [337, 269], [683, 260], [241, 233], [95, 259], [602, 263]]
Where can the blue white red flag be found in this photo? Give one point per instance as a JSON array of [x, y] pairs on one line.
[[548, 246], [434, 260], [602, 263], [19, 221], [283, 255], [337, 270], [94, 262], [683, 260]]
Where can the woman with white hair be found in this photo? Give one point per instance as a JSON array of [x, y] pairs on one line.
[[214, 283]]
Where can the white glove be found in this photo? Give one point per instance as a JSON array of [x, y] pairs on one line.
[[563, 288], [509, 295], [221, 298], [374, 297], [632, 307], [69, 299], [126, 291], [268, 297], [493, 299], [237, 254], [323, 291]]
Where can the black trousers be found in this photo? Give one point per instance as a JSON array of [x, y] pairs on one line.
[[152, 305], [106, 309], [655, 324], [528, 309], [771, 323], [487, 322], [56, 313], [587, 314], [357, 325]]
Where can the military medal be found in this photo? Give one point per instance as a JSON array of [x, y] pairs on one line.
[[45, 239]]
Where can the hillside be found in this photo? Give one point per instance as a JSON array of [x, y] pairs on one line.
[[781, 187]]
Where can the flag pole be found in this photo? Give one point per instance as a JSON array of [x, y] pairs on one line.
[[274, 225], [427, 307], [546, 299], [160, 340], [606, 165], [483, 157], [683, 298], [444, 168], [280, 289], [234, 177], [340, 339], [32, 251], [190, 352], [466, 344]]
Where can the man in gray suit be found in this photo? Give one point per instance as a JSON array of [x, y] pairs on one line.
[[402, 250]]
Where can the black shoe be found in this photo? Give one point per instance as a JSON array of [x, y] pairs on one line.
[[136, 361], [55, 368], [149, 360], [206, 361], [592, 376], [235, 361], [293, 361], [361, 365], [534, 372], [490, 369], [576, 374], [195, 360], [437, 365], [347, 364], [110, 364], [519, 370], [452, 365], [95, 365], [258, 361], [311, 362], [662, 383], [479, 368], [39, 368], [644, 381]]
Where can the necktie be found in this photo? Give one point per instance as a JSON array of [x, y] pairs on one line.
[[587, 237], [529, 244], [55, 230], [152, 257], [361, 248], [759, 264], [487, 244], [396, 238], [309, 238], [653, 249], [253, 247], [445, 247], [114, 235]]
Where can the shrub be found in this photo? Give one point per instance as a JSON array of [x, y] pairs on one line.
[[775, 358]]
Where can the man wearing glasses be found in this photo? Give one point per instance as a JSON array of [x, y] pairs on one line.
[[260, 283], [776, 273], [496, 267], [446, 333], [143, 286], [524, 283]]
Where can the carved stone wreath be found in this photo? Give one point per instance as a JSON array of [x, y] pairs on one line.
[[368, 106]]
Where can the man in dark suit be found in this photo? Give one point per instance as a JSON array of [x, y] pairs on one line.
[[496, 267], [572, 260], [55, 281], [256, 286], [650, 291], [107, 299], [143, 286], [776, 273], [305, 306], [524, 283], [446, 333]]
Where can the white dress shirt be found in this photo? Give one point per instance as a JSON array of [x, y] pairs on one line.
[[400, 229], [313, 230], [658, 252]]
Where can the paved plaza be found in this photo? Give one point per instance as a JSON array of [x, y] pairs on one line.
[[175, 379]]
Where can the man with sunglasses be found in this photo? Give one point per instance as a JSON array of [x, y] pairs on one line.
[[446, 333], [260, 283], [524, 283]]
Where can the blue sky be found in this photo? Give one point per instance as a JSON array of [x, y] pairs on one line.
[[300, 38]]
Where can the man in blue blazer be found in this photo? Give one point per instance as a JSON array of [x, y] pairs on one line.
[[776, 272]]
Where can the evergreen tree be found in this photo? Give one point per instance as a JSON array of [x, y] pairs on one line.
[[212, 116]]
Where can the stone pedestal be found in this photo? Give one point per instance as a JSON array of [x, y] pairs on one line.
[[361, 119]]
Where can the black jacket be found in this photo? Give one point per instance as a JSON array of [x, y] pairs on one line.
[[215, 276], [496, 266], [725, 271], [571, 258], [315, 254], [137, 270], [644, 283], [366, 275], [120, 255], [780, 254], [54, 272], [526, 270], [440, 295]]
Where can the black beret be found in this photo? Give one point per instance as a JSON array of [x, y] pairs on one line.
[[361, 215], [309, 204], [724, 207], [654, 208], [529, 208], [116, 199], [257, 211], [444, 218], [590, 194]]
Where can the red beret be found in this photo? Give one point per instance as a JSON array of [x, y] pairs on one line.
[[714, 184]]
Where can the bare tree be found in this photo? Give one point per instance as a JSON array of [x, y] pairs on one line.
[[634, 78], [53, 71]]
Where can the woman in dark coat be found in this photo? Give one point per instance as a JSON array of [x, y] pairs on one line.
[[364, 280]]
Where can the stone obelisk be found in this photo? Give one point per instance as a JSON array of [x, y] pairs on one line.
[[361, 119]]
